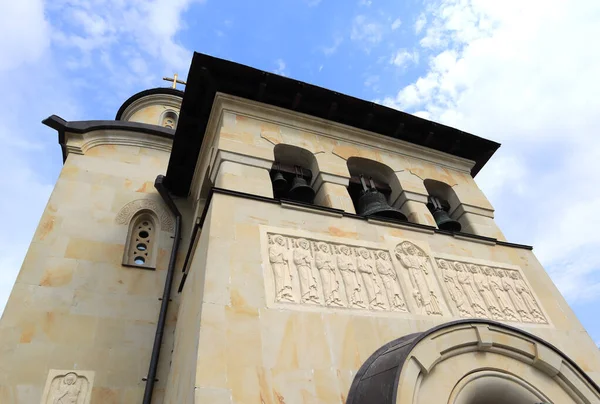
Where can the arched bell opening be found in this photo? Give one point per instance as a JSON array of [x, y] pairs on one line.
[[471, 361], [374, 188], [441, 201], [293, 173]]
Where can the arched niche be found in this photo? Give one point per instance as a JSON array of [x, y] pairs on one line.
[[444, 193], [291, 161], [471, 362], [169, 119], [384, 177]]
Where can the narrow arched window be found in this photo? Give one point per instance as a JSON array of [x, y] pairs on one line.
[[374, 189], [168, 119], [140, 248]]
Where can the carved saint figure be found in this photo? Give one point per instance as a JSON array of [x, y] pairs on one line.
[[326, 267], [528, 299], [281, 270], [390, 281], [509, 285], [502, 298], [366, 267], [465, 278], [303, 262], [415, 261], [67, 391], [347, 267], [454, 288], [485, 290]]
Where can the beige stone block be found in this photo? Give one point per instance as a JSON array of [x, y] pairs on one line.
[[243, 178], [28, 393], [345, 351], [279, 338], [7, 394], [211, 367], [94, 251], [106, 395], [312, 343], [264, 151], [327, 389], [243, 338], [213, 396], [250, 384], [58, 272], [334, 196], [294, 386], [331, 164]]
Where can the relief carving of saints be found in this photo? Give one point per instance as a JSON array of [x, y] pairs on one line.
[[416, 262], [502, 298], [347, 267], [454, 288], [509, 286], [390, 281], [366, 267], [465, 278], [528, 299], [485, 290], [278, 256], [71, 389], [326, 268], [303, 261]]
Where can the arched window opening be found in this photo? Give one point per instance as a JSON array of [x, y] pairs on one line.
[[374, 188], [168, 119], [293, 173], [140, 248], [441, 202]]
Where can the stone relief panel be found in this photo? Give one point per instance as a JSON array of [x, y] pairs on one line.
[[489, 291], [313, 272], [395, 276], [68, 387], [126, 213]]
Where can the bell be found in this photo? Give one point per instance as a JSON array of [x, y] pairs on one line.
[[301, 191], [280, 184], [374, 203], [443, 220]]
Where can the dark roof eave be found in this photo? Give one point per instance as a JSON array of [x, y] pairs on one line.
[[209, 75], [62, 126]]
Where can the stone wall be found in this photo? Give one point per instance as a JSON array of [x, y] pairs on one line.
[[74, 306], [267, 340]]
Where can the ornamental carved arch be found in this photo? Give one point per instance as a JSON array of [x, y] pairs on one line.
[[132, 208], [471, 362]]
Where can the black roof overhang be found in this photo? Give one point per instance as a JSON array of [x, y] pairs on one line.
[[209, 75]]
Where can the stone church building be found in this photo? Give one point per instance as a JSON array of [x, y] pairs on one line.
[[256, 239]]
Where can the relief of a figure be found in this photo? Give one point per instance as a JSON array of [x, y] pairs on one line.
[[366, 267], [509, 286], [465, 278], [347, 267], [69, 389], [528, 299], [454, 288], [326, 267], [278, 256], [495, 281], [390, 281], [303, 261], [416, 263], [485, 290]]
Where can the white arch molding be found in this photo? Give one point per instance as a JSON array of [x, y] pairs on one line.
[[471, 362]]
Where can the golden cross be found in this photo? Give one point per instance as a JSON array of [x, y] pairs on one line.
[[174, 80]]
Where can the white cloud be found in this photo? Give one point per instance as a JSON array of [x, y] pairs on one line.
[[523, 73], [280, 69], [403, 57], [396, 24], [366, 32], [330, 50], [365, 3], [420, 23]]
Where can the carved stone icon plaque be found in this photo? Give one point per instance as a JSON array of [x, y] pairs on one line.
[[68, 387]]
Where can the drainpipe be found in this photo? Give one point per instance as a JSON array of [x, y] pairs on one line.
[[159, 184]]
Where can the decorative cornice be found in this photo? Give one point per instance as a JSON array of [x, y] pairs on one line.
[[79, 136]]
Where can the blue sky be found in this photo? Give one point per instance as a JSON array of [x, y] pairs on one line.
[[521, 73]]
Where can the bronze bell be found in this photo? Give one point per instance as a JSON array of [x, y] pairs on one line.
[[440, 214], [301, 191], [280, 184], [374, 203]]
